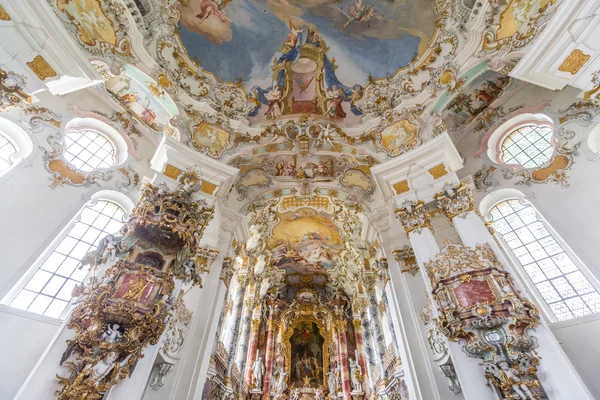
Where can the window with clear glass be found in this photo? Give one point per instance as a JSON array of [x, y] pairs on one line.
[[529, 146], [7, 149], [48, 291], [557, 277], [89, 150]]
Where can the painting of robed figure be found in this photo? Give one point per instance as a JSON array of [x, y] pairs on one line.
[[307, 355]]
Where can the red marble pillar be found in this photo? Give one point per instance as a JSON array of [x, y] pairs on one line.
[[272, 325], [341, 326], [252, 348], [360, 345]]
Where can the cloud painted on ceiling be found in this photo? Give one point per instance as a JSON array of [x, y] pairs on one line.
[[244, 37]]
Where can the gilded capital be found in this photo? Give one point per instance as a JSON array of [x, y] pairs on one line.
[[455, 201], [413, 216], [405, 257]]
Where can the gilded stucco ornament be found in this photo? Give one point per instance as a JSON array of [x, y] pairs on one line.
[[11, 90], [100, 27], [128, 304], [554, 170], [481, 309], [224, 97], [405, 257], [512, 25], [413, 216], [397, 132], [455, 201]]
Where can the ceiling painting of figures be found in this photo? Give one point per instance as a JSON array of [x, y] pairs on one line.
[[305, 242], [242, 37], [474, 98], [312, 56]]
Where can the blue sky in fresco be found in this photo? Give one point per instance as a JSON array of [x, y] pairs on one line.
[[257, 36]]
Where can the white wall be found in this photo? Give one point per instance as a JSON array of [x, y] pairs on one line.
[[579, 340], [24, 338]]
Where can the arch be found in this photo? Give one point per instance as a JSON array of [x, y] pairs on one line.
[[46, 287], [494, 150], [495, 197], [552, 272], [19, 139], [95, 125], [593, 140], [116, 197]]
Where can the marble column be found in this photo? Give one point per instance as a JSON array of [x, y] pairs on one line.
[[341, 327], [236, 317], [360, 347], [252, 350], [371, 358], [272, 327], [242, 347], [378, 336]]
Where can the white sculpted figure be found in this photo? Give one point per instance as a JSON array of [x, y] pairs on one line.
[[106, 365], [280, 385], [109, 246], [112, 334], [332, 381], [355, 375], [318, 394], [258, 369], [295, 394]]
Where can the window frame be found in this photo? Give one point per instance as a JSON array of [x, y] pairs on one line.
[[113, 154], [496, 140], [499, 196], [22, 143], [516, 129], [118, 198]]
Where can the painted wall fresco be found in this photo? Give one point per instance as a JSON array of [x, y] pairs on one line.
[[473, 99]]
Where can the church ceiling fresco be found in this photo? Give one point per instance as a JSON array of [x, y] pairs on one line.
[[305, 96]]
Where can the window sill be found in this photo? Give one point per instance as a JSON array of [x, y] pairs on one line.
[[575, 321], [29, 315]]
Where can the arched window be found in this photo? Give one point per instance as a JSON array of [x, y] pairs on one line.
[[47, 288], [524, 140], [15, 145], [528, 145], [7, 149], [551, 267], [88, 150]]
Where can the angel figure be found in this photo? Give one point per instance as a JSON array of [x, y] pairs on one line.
[[295, 394], [292, 37], [325, 135], [112, 334], [208, 8], [361, 12], [319, 394], [108, 248], [107, 365]]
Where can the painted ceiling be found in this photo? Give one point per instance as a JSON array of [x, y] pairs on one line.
[[304, 96], [243, 37]]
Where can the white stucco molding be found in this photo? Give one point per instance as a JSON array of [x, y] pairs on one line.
[[175, 154], [421, 172]]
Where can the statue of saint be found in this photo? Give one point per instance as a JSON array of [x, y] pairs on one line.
[[258, 369]]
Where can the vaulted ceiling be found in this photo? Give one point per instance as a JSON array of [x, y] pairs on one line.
[[304, 96]]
